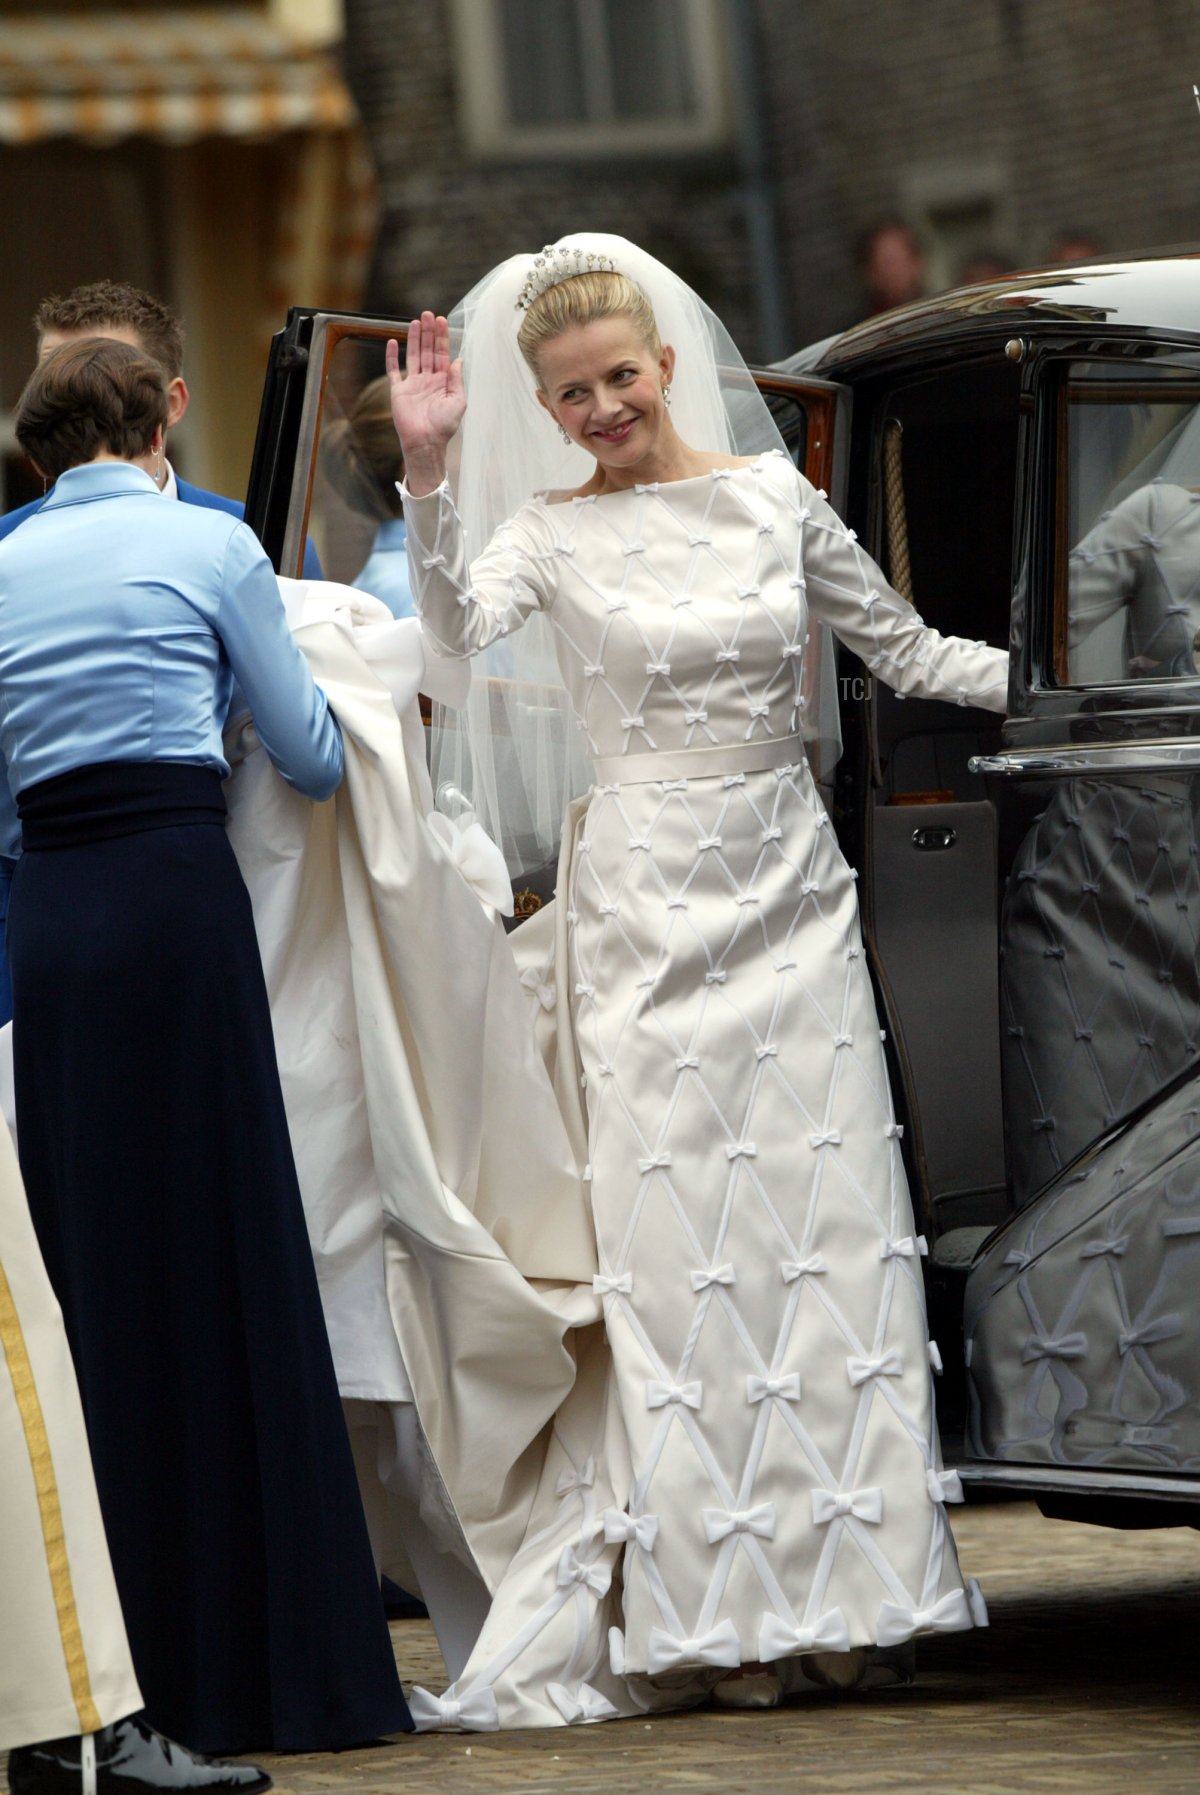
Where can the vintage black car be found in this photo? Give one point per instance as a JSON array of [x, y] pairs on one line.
[[1023, 458]]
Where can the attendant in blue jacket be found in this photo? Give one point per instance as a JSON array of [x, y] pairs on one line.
[[152, 1135], [113, 309]]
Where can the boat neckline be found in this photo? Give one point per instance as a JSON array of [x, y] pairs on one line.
[[643, 486]]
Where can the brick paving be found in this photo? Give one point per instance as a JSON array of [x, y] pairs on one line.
[[1085, 1682]]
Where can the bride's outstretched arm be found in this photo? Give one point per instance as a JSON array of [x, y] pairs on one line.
[[463, 604], [846, 590]]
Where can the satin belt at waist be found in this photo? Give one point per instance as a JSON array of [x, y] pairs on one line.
[[700, 763]]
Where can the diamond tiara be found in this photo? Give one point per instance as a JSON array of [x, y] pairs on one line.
[[554, 265]]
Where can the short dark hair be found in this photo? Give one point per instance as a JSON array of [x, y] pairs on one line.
[[94, 394], [103, 302]]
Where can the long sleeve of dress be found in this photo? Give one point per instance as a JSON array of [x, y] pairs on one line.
[[291, 714], [846, 590], [465, 607]]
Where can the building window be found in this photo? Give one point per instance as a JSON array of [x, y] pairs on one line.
[[542, 78]]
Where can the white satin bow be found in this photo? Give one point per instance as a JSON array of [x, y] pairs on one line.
[[475, 1712], [836, 1505], [658, 1162], [595, 1577], [908, 1248], [1150, 1333], [544, 990], [714, 1274], [720, 1646], [1099, 1249], [1066, 1346], [787, 1387], [658, 1394], [896, 1624], [803, 1268], [476, 856], [944, 1486], [829, 1137], [719, 1523], [889, 1365], [641, 1529], [620, 1285], [581, 1703], [778, 1639], [572, 1479]]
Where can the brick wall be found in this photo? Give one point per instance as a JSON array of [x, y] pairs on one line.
[[993, 121], [449, 218], [1072, 114]]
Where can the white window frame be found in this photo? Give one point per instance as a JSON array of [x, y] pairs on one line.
[[490, 133]]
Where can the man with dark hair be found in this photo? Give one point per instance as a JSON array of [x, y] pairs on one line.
[[113, 308], [110, 308]]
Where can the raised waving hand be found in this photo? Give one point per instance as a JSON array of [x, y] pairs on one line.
[[428, 400]]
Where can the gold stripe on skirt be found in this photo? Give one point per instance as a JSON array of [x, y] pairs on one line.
[[33, 1423]]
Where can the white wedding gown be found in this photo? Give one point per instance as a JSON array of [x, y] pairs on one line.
[[754, 1472]]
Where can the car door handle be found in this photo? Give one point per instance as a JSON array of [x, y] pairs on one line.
[[1124, 757]]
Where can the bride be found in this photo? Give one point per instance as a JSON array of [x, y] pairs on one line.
[[745, 1477]]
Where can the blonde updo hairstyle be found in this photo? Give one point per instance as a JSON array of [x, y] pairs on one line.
[[585, 299]]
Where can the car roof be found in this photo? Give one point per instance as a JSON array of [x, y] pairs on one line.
[[1158, 292]]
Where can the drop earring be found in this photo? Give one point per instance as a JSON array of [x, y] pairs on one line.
[[666, 393], [564, 436]]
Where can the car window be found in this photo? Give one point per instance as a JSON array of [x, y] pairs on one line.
[[354, 513], [1128, 539]]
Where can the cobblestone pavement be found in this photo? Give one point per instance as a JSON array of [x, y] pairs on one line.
[[1086, 1681]]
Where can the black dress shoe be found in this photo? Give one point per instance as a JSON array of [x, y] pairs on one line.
[[129, 1756]]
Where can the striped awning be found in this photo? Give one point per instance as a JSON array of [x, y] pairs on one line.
[[202, 72]]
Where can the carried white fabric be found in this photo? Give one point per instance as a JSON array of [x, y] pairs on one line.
[[448, 1222]]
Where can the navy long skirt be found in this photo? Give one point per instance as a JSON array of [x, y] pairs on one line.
[[155, 1151]]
